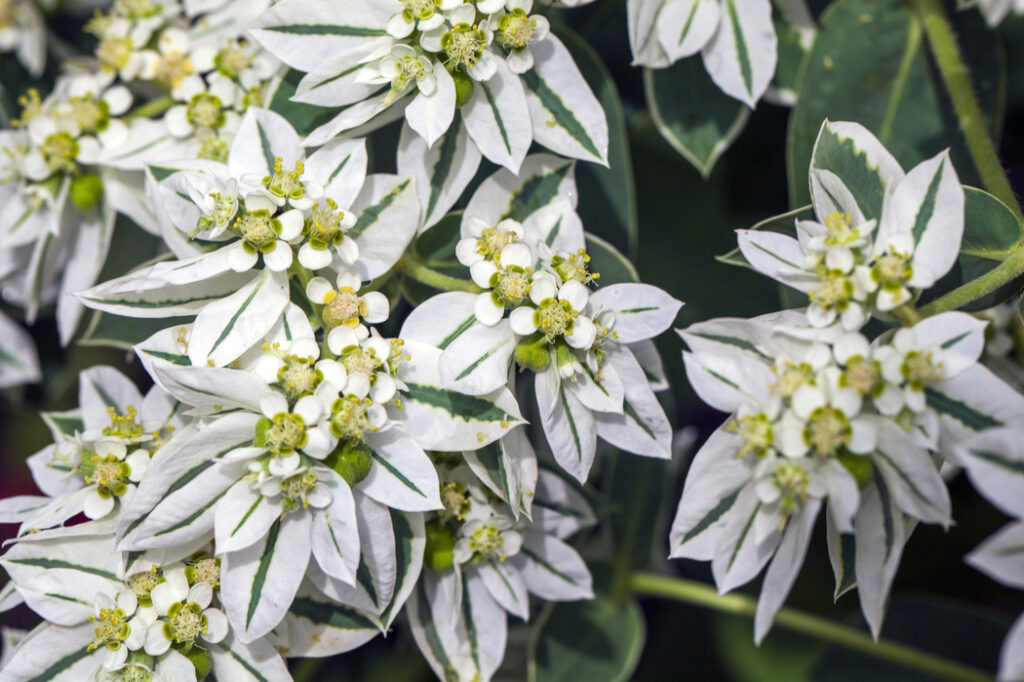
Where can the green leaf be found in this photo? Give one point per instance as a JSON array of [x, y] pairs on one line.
[[991, 232], [795, 30], [105, 329], [611, 208], [870, 64], [693, 115], [436, 247], [305, 118], [607, 261], [598, 640]]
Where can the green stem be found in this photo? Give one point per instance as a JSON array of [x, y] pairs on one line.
[[958, 83], [906, 314], [1007, 271], [700, 594], [419, 271], [150, 109]]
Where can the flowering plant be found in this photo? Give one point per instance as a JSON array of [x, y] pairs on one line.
[[362, 363]]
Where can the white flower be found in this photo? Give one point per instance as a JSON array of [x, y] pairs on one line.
[[515, 30], [184, 615]]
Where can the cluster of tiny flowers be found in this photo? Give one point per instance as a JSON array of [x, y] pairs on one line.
[[824, 417]]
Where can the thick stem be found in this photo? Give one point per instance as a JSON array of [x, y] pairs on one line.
[[700, 594], [1007, 271], [958, 83], [416, 269]]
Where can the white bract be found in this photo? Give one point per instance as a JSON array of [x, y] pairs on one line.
[[736, 39]]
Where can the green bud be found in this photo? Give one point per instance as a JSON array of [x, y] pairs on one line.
[[439, 553], [463, 87], [201, 661], [859, 466], [532, 353], [86, 190], [352, 460]]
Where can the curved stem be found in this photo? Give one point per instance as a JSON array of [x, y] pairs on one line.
[[419, 271], [1007, 271], [958, 83], [700, 594]]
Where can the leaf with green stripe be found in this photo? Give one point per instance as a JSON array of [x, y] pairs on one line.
[[55, 654], [994, 460], [890, 86], [402, 475], [410, 541], [63, 423], [509, 468], [259, 582], [476, 362], [138, 294], [842, 553], [318, 626], [567, 118], [741, 57], [442, 171], [305, 118], [227, 328], [497, 119], [448, 420], [105, 329], [388, 210], [301, 33]]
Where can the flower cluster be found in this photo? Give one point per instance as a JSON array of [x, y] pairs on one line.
[[823, 416]]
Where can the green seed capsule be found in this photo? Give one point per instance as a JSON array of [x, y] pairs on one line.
[[439, 553]]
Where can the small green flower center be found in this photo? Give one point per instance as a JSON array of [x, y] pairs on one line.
[[286, 185], [574, 266], [554, 318], [214, 149], [172, 69], [515, 30], [510, 286], [463, 44], [827, 430], [205, 111], [232, 61], [90, 114], [362, 361], [323, 227], [142, 585], [488, 543], [343, 307], [296, 490], [455, 500], [919, 369], [282, 435], [861, 375], [350, 417], [111, 629], [755, 430], [792, 376], [224, 208], [259, 230], [185, 622], [133, 672], [419, 9], [492, 241], [59, 151], [109, 474], [891, 271], [114, 51], [834, 291], [839, 231], [123, 426], [792, 482], [205, 570], [137, 9], [298, 376], [397, 355]]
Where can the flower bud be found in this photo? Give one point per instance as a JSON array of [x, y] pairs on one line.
[[859, 466], [86, 190], [464, 87], [352, 460], [439, 553]]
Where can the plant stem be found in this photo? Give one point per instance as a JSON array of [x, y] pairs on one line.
[[415, 268], [1004, 273], [906, 314], [149, 109], [700, 594], [958, 83]]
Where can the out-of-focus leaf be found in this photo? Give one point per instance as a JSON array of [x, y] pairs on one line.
[[693, 115], [305, 118], [870, 64], [609, 207], [598, 640], [795, 29], [782, 656]]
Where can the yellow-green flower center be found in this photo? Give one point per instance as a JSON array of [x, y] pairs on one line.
[[861, 375], [214, 149], [283, 434], [574, 266], [792, 482], [259, 230], [419, 9], [515, 30], [755, 430], [298, 376], [343, 307], [834, 291], [350, 417], [110, 630], [172, 69], [205, 111], [323, 227], [363, 361], [455, 500], [90, 114], [463, 44], [123, 426], [919, 369], [488, 543], [232, 61], [142, 585], [891, 271], [827, 430], [59, 151], [510, 286], [792, 376], [839, 231], [286, 185], [114, 51], [492, 241], [296, 490], [185, 622], [205, 570], [554, 318]]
